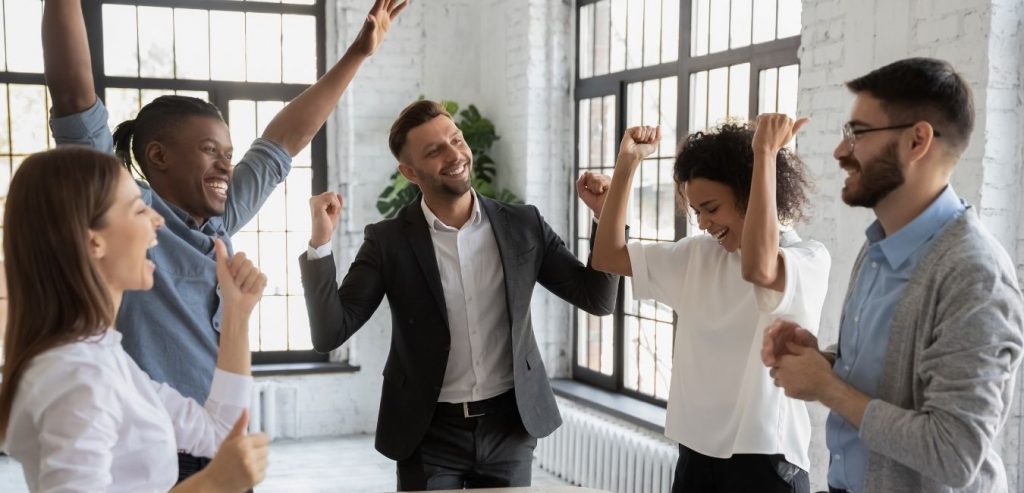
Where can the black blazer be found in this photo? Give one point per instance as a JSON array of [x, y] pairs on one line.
[[397, 259]]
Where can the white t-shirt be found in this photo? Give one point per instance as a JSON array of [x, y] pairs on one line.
[[721, 399], [86, 418]]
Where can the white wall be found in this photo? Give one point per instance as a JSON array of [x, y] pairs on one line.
[[842, 40]]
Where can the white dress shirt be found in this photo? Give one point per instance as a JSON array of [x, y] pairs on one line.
[[721, 399], [87, 418], [473, 281]]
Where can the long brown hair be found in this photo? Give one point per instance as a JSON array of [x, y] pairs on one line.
[[55, 293]]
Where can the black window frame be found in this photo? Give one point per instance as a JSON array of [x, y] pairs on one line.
[[760, 56]]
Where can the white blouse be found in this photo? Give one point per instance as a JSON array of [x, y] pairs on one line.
[[721, 399], [87, 418]]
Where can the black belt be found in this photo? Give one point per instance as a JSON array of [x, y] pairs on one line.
[[498, 404]]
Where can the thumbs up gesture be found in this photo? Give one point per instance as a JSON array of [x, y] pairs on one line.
[[241, 283], [241, 462]]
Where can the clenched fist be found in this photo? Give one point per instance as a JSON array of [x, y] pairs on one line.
[[325, 210], [592, 189]]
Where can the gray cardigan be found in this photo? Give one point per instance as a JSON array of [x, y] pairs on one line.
[[945, 391]]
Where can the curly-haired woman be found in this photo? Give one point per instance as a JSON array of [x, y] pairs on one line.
[[736, 430]]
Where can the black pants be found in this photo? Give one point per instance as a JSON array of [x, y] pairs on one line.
[[189, 465], [489, 451], [740, 473]]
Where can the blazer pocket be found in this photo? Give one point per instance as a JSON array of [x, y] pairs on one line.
[[394, 376]]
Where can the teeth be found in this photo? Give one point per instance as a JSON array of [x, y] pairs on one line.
[[721, 234], [153, 243], [220, 186], [455, 172]]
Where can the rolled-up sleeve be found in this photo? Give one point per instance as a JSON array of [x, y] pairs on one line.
[[88, 128]]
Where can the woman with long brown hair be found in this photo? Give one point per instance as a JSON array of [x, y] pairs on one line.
[[75, 410]]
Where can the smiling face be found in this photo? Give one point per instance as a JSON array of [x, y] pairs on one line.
[[128, 231], [717, 211], [873, 166], [191, 168], [437, 159]]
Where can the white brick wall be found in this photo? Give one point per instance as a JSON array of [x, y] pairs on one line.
[[843, 40]]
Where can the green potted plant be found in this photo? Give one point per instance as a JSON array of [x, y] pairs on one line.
[[480, 136]]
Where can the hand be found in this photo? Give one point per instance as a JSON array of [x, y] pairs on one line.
[[774, 130], [639, 142], [592, 189], [781, 333], [241, 461], [241, 283], [325, 209], [377, 24], [804, 373]]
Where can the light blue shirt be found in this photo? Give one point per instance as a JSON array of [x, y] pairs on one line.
[[867, 315], [172, 330]]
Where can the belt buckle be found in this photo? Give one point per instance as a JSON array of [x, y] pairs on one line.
[[465, 412]]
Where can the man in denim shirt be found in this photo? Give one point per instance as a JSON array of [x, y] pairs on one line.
[[183, 148]]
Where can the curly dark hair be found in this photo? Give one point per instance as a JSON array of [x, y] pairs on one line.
[[723, 154]]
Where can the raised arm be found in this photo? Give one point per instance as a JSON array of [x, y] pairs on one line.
[[296, 124], [66, 60], [761, 261], [610, 253]]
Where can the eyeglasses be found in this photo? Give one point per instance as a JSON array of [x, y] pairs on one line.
[[850, 134]]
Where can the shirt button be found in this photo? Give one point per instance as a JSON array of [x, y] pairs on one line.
[[836, 457], [216, 325], [846, 367], [874, 264], [856, 319]]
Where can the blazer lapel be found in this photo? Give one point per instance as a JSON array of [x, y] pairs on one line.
[[423, 247], [498, 217]]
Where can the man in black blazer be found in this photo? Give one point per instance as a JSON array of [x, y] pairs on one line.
[[465, 394]]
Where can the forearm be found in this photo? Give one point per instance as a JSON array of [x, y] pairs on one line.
[[234, 355], [66, 59], [296, 124], [760, 244], [845, 400], [610, 254]]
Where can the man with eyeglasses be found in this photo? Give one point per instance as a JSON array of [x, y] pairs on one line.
[[920, 383]]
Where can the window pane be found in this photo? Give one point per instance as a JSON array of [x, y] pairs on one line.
[[631, 360], [602, 38], [646, 357], [618, 36], [635, 34], [120, 41], [192, 43], [22, 22], [663, 333], [583, 146], [699, 26], [586, 48], [596, 131], [788, 89], [299, 45], [227, 46], [607, 345], [718, 95], [652, 32], [29, 110], [764, 21], [666, 201], [273, 250], [156, 42], [3, 42], [273, 323], [263, 51], [767, 91], [299, 188], [299, 338], [669, 30], [719, 27], [581, 339], [789, 18], [634, 104], [272, 215], [242, 123], [608, 129], [122, 105], [148, 95], [739, 91], [698, 101], [669, 108], [739, 33], [5, 131]]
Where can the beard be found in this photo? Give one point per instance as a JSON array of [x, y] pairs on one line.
[[445, 188], [880, 177]]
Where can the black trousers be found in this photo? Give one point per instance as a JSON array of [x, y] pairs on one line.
[[740, 473], [489, 451]]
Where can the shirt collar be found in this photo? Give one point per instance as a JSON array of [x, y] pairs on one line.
[[436, 224], [898, 247], [213, 225]]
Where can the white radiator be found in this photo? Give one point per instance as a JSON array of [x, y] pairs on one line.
[[273, 410], [594, 451]]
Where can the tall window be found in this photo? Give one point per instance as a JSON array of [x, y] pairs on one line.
[[687, 66], [247, 57]]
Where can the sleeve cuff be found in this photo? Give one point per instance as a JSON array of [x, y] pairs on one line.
[[229, 390], [277, 153], [319, 252]]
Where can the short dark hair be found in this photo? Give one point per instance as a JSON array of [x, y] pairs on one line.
[[152, 122], [923, 89], [412, 116], [724, 154]]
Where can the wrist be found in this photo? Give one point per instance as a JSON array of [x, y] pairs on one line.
[[766, 151], [627, 161], [318, 240]]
